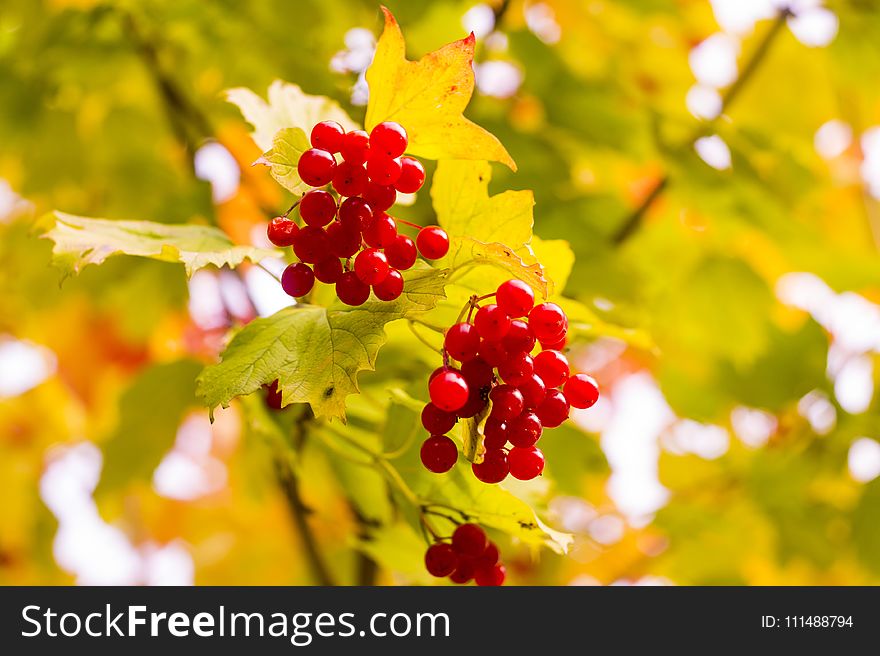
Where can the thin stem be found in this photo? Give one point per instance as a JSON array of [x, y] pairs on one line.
[[429, 326], [412, 329], [290, 209], [408, 223], [261, 266]]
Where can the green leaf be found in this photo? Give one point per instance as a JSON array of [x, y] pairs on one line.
[[315, 353], [866, 526], [287, 147], [472, 434], [80, 241]]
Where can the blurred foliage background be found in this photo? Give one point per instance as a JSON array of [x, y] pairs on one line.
[[715, 167]]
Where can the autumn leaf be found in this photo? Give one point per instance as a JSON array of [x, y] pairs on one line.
[[287, 147], [428, 97]]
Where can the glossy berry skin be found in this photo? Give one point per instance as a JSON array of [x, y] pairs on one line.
[[492, 322], [552, 367], [553, 409], [462, 342], [438, 454], [507, 402], [349, 179], [388, 138], [515, 297], [581, 391], [477, 372], [490, 576], [328, 271], [469, 540], [311, 245], [355, 147], [441, 559], [440, 370], [474, 404], [282, 231], [489, 557], [317, 208], [327, 135], [355, 213], [449, 391], [495, 433], [464, 572], [533, 391], [493, 352], [390, 288], [379, 197], [381, 231], [412, 176], [518, 367], [432, 242], [556, 344], [316, 167], [383, 170], [344, 241], [494, 467], [401, 252], [297, 279], [371, 266], [273, 396], [547, 320], [351, 290], [437, 421], [525, 430], [525, 464], [519, 337]]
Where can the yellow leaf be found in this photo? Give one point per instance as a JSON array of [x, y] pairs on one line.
[[428, 97]]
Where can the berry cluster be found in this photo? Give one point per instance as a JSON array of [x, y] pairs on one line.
[[510, 356], [348, 239], [471, 555]]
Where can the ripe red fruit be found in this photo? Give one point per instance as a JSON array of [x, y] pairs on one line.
[[412, 175], [441, 559], [490, 576], [525, 430], [437, 421], [464, 572], [327, 135], [311, 244], [515, 297], [493, 352], [581, 391], [355, 213], [383, 170], [349, 179], [316, 167], [495, 433], [297, 279], [390, 288], [379, 197], [344, 241], [462, 342], [547, 320], [328, 271], [440, 370], [449, 391], [494, 467], [388, 138], [273, 396], [469, 540], [433, 242], [401, 252], [492, 322], [282, 231], [351, 290], [438, 454], [381, 231], [371, 266], [489, 557], [525, 464], [519, 337], [507, 402], [552, 367], [474, 404], [355, 147], [517, 367], [317, 208], [553, 410], [477, 372], [555, 345], [533, 391]]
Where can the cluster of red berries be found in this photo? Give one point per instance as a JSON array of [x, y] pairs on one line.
[[471, 555], [510, 355], [351, 221]]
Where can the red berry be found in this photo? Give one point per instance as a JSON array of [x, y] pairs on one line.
[[555, 345], [525, 430], [328, 271], [391, 288], [316, 167], [489, 557], [474, 404], [379, 197], [317, 208], [383, 170], [495, 433], [490, 576], [440, 370], [327, 135], [282, 231], [533, 390], [581, 391], [517, 367], [381, 231], [492, 322], [311, 244], [525, 464], [355, 147], [515, 297], [469, 540], [464, 572], [449, 391], [552, 367], [273, 396], [355, 213], [388, 138], [433, 242], [494, 467], [507, 402], [349, 179], [546, 321], [477, 372], [437, 421], [462, 342], [371, 266], [438, 454], [298, 279], [519, 337], [351, 290], [344, 241], [553, 410], [493, 352], [441, 559], [401, 252], [412, 175]]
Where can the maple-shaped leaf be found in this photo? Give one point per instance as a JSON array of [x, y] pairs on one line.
[[428, 97]]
